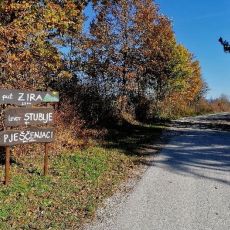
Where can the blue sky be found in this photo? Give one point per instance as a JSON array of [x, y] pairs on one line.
[[198, 24]]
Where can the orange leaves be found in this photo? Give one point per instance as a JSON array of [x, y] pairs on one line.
[[53, 15], [15, 7], [63, 17], [131, 50], [30, 33]]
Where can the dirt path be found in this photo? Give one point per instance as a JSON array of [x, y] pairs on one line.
[[186, 187]]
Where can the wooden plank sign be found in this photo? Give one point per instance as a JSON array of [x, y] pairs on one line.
[[28, 116], [23, 98], [28, 136]]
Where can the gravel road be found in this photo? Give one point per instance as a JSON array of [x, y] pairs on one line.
[[186, 187]]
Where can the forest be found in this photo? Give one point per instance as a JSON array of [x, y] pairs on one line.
[[128, 60], [125, 65]]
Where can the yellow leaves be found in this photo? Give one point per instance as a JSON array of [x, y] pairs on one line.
[[29, 36], [132, 49], [2, 46], [12, 57], [26, 55], [65, 75], [23, 6], [62, 17]]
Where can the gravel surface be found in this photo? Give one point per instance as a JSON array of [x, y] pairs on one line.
[[186, 187]]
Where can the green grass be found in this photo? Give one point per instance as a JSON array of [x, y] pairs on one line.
[[78, 181]]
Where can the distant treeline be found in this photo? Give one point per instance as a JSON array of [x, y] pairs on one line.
[[221, 104], [128, 61]]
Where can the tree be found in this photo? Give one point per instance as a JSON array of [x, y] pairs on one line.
[[130, 58], [32, 36], [225, 45], [111, 41], [186, 86], [133, 56]]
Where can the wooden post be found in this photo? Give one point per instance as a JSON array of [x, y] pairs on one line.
[[7, 166], [46, 160]]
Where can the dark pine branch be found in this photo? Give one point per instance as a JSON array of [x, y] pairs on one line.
[[225, 44]]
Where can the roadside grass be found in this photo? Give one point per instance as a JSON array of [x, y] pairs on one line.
[[78, 181], [133, 139]]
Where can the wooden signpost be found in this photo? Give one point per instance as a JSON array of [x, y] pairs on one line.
[[29, 117], [24, 98], [27, 136]]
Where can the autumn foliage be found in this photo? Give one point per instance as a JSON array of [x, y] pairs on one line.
[[126, 62], [132, 58]]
